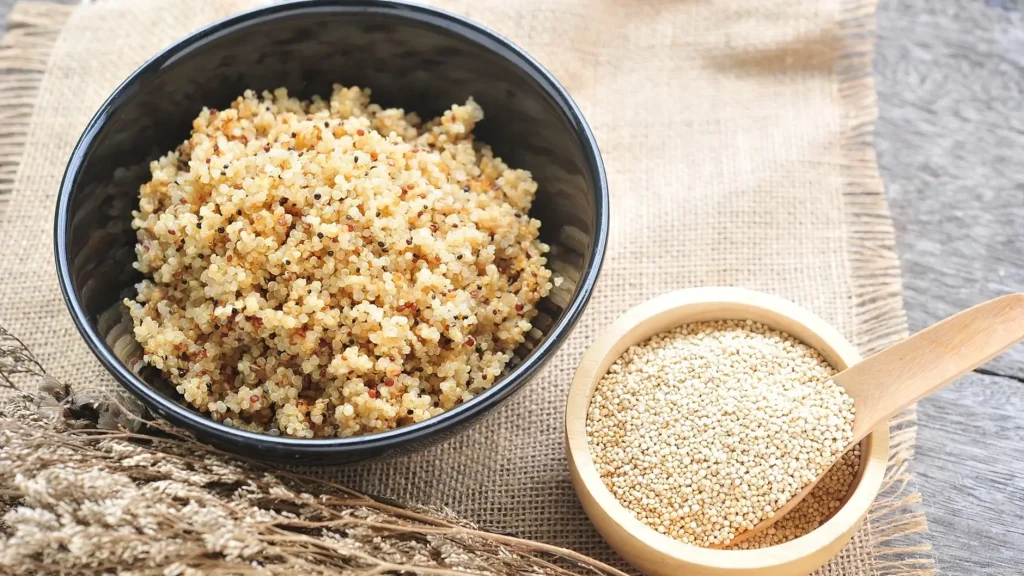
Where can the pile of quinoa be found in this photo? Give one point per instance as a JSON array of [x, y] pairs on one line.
[[705, 430], [333, 268], [824, 500]]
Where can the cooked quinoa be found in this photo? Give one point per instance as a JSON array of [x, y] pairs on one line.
[[334, 268]]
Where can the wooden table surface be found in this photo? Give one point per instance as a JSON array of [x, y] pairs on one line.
[[950, 80], [950, 140]]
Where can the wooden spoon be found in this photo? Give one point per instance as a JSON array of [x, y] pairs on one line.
[[895, 378]]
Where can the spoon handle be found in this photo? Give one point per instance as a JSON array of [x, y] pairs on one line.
[[893, 379]]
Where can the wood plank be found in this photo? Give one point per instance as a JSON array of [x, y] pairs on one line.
[[969, 457], [950, 78], [950, 134]]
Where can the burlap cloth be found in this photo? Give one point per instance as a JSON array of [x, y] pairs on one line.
[[737, 138]]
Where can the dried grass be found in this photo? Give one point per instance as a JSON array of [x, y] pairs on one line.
[[86, 488]]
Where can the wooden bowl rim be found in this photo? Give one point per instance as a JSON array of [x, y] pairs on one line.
[[586, 477]]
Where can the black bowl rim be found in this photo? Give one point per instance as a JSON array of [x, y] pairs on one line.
[[379, 442]]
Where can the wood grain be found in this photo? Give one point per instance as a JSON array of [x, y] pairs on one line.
[[950, 80], [969, 457]]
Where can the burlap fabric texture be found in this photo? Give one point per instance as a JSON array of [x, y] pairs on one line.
[[737, 138]]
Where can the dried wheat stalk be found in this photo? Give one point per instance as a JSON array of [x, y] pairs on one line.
[[84, 491]]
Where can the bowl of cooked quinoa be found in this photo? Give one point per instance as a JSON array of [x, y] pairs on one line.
[[329, 232]]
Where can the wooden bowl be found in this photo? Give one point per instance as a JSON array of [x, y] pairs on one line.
[[657, 554]]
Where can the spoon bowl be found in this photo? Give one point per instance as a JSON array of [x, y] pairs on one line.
[[658, 554]]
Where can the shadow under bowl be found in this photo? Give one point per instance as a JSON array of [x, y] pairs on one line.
[[661, 555], [411, 56]]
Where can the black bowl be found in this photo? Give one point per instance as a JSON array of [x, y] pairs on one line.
[[411, 56]]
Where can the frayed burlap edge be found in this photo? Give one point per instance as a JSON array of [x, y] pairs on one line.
[[896, 521], [32, 30]]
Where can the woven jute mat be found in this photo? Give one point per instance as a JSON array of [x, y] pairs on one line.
[[737, 138]]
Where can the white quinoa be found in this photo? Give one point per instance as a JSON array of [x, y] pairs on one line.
[[332, 268], [707, 429], [817, 507]]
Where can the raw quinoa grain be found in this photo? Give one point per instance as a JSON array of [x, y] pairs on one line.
[[705, 430], [814, 509], [291, 275]]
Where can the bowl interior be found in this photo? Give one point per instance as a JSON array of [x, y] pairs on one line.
[[411, 57], [655, 553]]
